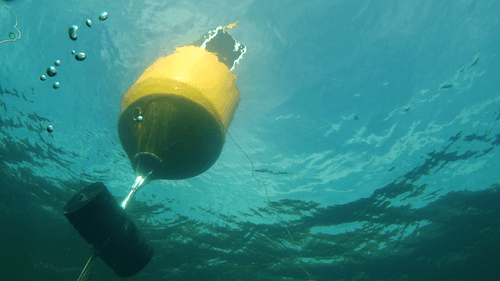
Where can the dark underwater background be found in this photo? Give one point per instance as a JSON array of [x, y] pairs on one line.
[[372, 127]]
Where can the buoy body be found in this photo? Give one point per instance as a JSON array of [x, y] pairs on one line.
[[104, 224], [186, 102]]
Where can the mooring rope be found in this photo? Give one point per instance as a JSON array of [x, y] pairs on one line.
[[14, 26], [282, 222]]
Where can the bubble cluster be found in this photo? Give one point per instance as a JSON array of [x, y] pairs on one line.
[[72, 32], [51, 71]]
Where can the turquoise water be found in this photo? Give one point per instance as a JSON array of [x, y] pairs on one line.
[[371, 124]]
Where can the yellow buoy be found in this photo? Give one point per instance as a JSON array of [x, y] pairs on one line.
[[173, 120]]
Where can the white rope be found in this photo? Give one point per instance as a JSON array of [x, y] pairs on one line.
[[14, 26]]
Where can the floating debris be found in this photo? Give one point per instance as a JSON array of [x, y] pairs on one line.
[[43, 77], [12, 35], [51, 71], [80, 56], [446, 86], [103, 15], [72, 32], [56, 85], [89, 23], [73, 52], [50, 128], [57, 62]]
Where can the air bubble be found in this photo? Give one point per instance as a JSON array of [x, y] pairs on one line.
[[73, 52], [103, 15], [80, 56], [43, 77], [56, 85], [72, 32], [50, 128], [57, 62], [51, 71], [89, 23]]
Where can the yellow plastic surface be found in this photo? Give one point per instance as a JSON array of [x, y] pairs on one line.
[[194, 73], [186, 102]]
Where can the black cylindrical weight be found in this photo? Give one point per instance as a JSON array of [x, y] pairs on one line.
[[102, 222], [94, 213], [128, 253]]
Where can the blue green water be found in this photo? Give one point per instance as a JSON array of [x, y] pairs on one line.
[[373, 126]]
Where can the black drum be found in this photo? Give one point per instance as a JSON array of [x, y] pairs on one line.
[[101, 221]]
